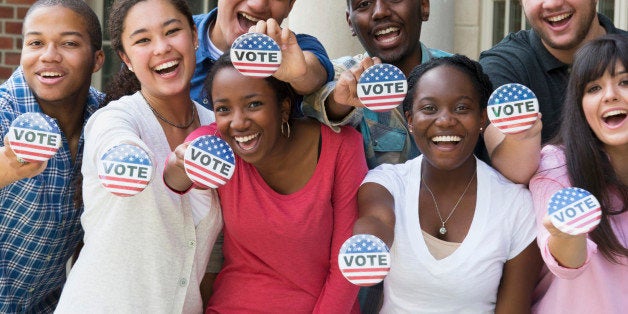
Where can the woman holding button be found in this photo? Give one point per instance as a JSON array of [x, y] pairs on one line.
[[461, 235], [290, 204], [145, 253], [588, 273]]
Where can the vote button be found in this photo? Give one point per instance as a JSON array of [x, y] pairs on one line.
[[34, 137], [125, 170], [513, 108], [382, 87], [255, 54], [574, 210], [364, 260], [209, 161]]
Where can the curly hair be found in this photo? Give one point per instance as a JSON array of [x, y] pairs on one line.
[[473, 69]]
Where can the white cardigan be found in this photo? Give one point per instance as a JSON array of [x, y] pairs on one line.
[[142, 254]]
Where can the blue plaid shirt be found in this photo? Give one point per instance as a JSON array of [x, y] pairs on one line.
[[39, 225]]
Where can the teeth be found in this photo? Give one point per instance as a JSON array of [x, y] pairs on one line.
[[558, 17], [166, 65], [387, 30], [446, 138], [614, 113], [48, 74], [250, 18], [244, 139]]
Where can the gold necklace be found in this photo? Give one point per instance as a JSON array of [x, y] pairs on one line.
[[442, 229], [162, 118]]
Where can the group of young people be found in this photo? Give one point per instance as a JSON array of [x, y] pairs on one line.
[[463, 236]]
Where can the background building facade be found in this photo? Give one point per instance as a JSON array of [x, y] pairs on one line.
[[459, 26]]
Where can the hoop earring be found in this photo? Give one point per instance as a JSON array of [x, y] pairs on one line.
[[283, 130]]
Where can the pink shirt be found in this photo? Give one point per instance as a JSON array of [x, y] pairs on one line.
[[281, 251], [599, 286]]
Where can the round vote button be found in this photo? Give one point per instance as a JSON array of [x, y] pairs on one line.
[[513, 108], [209, 161], [255, 54], [364, 260], [382, 87], [125, 170], [34, 137], [574, 210]]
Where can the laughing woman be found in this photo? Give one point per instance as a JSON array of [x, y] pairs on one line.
[[146, 253], [588, 273], [290, 204], [461, 235]]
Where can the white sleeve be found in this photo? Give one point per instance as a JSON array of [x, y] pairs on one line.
[[523, 230]]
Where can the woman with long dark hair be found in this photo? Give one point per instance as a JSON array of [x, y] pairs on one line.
[[145, 253], [588, 272]]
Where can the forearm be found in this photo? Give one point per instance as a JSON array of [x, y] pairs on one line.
[[517, 158], [569, 252], [314, 77], [336, 111]]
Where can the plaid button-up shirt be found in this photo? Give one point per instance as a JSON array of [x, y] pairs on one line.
[[39, 224]]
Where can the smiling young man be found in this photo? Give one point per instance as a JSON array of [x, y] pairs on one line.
[[390, 31], [219, 28], [541, 57], [39, 216]]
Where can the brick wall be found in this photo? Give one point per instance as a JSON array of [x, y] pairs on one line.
[[11, 15]]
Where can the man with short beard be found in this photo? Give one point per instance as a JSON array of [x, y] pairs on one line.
[[541, 57]]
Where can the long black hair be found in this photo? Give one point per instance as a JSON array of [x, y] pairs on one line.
[[587, 163]]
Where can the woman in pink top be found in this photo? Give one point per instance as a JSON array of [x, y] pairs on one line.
[[290, 204], [588, 273]]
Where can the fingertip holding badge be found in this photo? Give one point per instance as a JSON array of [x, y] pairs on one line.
[[209, 161], [34, 137], [255, 54], [574, 210], [364, 260], [125, 170], [382, 87], [513, 108]]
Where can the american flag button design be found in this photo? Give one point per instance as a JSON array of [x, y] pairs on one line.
[[209, 161], [364, 260], [255, 54], [513, 108], [34, 137], [574, 210], [125, 170], [382, 87]]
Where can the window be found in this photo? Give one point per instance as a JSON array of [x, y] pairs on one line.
[[501, 17], [112, 62]]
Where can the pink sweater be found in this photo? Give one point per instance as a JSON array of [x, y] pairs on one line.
[[281, 251], [599, 286]]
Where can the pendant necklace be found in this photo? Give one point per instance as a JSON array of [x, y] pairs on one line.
[[162, 118], [443, 229]]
